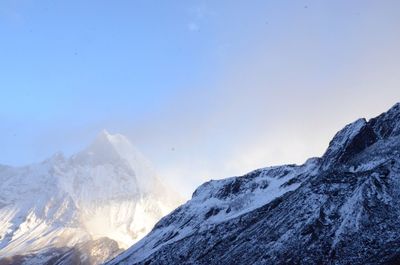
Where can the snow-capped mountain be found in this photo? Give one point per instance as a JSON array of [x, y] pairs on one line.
[[85, 208], [342, 208]]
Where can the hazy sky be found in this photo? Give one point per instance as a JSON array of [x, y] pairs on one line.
[[206, 89]]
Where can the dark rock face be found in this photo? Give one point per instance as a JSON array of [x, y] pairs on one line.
[[362, 140], [387, 124], [343, 208], [348, 142]]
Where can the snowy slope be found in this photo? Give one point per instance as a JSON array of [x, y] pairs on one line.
[[218, 201], [342, 208], [107, 190]]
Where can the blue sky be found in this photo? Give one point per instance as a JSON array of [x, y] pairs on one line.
[[228, 85], [70, 63], [77, 57]]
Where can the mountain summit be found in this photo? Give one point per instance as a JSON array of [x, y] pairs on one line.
[[342, 208], [80, 210]]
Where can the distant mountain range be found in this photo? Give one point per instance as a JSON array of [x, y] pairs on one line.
[[341, 208], [84, 209]]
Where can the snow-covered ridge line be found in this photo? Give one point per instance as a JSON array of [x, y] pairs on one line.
[[218, 201], [317, 213]]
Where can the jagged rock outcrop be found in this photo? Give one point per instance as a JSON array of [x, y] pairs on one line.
[[342, 208]]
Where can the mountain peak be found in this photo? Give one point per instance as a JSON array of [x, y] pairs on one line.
[[116, 149], [108, 190], [395, 108], [357, 136], [108, 147], [103, 134], [349, 141], [388, 123], [101, 151], [106, 138]]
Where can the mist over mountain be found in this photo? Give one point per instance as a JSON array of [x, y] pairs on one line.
[[82, 209], [341, 208]]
